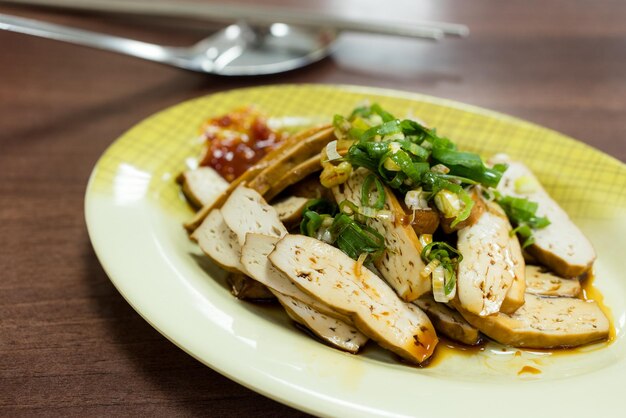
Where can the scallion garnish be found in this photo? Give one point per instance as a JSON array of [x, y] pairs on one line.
[[404, 163], [321, 219], [315, 212], [354, 238], [369, 181], [523, 215], [440, 256], [467, 165]]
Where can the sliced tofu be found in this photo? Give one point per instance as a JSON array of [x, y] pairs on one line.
[[219, 242], [246, 211], [293, 156], [329, 275], [203, 185], [401, 263], [197, 219], [447, 321], [492, 260], [311, 188], [561, 246], [515, 296], [545, 322], [254, 258], [245, 288], [330, 330], [299, 172], [289, 210], [542, 282]]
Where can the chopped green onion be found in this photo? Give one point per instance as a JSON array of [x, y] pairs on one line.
[[413, 170], [313, 215], [414, 149], [439, 285], [523, 215], [369, 181], [450, 284], [444, 273], [320, 220], [387, 128], [404, 154], [359, 157], [435, 182], [458, 179], [430, 267], [468, 165], [442, 251], [448, 203], [367, 112], [355, 239], [390, 165], [354, 209], [331, 151], [397, 136], [526, 232], [416, 199], [386, 116], [360, 213]]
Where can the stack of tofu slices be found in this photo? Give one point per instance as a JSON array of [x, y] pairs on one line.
[[344, 305]]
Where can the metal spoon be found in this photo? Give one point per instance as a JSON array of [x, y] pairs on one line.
[[235, 50]]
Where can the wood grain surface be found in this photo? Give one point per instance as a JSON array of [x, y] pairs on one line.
[[69, 343]]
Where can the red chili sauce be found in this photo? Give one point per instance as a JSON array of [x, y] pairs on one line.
[[237, 140]]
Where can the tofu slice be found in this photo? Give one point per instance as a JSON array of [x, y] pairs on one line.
[[219, 242], [254, 258], [492, 260], [297, 154], [197, 219], [299, 172], [447, 321], [401, 264], [329, 275], [310, 188], [332, 331], [289, 210], [203, 185], [545, 322], [515, 297], [561, 246], [542, 282], [246, 211]]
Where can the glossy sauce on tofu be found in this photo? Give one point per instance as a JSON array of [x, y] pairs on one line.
[[449, 348]]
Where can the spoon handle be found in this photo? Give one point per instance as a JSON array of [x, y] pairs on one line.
[[257, 15], [97, 40]]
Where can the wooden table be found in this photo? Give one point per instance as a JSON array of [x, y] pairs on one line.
[[69, 343]]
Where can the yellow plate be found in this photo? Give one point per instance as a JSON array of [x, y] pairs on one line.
[[134, 213]]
